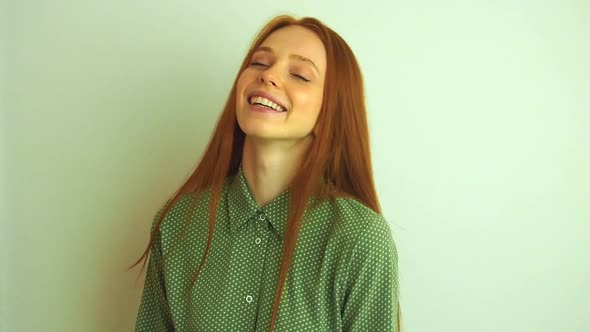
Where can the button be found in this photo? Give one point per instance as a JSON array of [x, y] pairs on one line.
[[249, 299], [262, 217], [258, 240]]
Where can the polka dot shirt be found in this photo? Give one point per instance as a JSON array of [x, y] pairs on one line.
[[343, 275]]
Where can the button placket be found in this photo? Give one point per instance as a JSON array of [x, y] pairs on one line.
[[261, 225], [260, 228]]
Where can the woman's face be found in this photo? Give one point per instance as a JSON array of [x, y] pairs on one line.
[[286, 73]]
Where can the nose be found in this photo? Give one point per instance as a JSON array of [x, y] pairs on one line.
[[267, 77]]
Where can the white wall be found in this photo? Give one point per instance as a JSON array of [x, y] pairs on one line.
[[480, 128]]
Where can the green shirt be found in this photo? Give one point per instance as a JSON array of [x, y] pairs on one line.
[[343, 275]]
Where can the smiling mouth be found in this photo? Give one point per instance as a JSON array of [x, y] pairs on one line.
[[265, 102]]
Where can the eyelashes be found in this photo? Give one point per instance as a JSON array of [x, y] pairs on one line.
[[262, 65], [258, 64], [300, 77]]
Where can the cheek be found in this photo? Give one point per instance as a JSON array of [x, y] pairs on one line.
[[309, 102], [245, 79], [241, 83]]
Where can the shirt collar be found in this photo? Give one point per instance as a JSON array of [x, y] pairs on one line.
[[242, 206]]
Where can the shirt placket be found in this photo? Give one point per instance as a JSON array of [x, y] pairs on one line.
[[249, 265]]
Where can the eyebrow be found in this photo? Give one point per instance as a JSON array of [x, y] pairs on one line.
[[294, 56]]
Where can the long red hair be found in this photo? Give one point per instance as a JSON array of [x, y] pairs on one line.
[[337, 164]]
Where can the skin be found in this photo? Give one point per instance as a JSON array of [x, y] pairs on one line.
[[276, 142]]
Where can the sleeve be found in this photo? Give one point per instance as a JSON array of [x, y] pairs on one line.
[[154, 313], [371, 298]]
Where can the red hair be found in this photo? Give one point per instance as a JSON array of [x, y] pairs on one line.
[[337, 164]]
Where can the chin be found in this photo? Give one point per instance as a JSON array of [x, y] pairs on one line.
[[260, 133]]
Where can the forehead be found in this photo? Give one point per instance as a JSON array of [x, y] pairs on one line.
[[297, 40]]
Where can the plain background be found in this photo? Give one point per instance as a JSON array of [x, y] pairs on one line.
[[480, 134]]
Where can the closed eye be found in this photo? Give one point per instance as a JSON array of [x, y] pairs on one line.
[[258, 64], [300, 77]]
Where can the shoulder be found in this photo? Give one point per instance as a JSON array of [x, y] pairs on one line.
[[353, 226], [358, 219], [372, 253], [361, 240], [186, 203], [366, 232]]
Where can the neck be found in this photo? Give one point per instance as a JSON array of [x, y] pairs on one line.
[[269, 166]]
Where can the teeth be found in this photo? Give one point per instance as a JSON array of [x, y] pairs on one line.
[[266, 102]]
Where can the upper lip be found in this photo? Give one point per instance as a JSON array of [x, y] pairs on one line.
[[267, 96]]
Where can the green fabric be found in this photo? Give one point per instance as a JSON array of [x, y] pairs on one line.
[[343, 275]]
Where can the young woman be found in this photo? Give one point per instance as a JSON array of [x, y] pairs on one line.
[[279, 227]]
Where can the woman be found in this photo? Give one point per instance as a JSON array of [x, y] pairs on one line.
[[294, 240]]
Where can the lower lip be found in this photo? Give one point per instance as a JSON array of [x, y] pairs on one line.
[[262, 109]]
